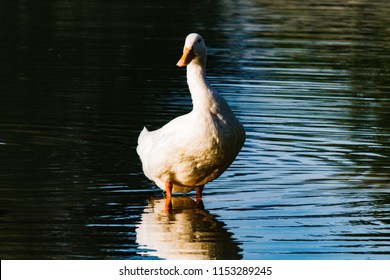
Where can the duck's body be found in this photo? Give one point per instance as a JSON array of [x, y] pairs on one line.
[[196, 148]]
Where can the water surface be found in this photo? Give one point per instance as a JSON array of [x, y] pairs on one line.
[[309, 81]]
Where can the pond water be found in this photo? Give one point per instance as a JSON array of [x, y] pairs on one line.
[[309, 80]]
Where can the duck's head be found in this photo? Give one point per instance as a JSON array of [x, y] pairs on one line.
[[194, 51]]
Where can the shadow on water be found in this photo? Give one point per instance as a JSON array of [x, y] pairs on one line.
[[188, 232]]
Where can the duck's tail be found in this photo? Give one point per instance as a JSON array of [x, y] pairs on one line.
[[141, 140]]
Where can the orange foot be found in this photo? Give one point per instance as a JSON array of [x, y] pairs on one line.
[[199, 191], [168, 196]]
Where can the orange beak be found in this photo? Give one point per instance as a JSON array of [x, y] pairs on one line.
[[187, 57]]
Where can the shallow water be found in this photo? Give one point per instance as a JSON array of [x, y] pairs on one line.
[[309, 81]]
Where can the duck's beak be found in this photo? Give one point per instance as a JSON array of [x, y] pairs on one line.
[[188, 55]]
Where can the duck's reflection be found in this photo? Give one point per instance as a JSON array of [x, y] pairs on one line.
[[186, 232]]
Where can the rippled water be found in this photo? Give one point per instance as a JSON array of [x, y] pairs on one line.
[[309, 81]]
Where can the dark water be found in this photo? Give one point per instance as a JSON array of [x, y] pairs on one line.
[[310, 81]]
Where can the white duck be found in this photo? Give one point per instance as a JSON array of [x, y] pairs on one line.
[[196, 148]]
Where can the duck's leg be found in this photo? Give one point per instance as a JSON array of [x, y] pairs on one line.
[[199, 191], [168, 196], [168, 206], [168, 189]]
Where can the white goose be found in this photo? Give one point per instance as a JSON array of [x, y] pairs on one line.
[[196, 148]]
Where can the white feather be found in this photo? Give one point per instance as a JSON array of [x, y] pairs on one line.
[[195, 148]]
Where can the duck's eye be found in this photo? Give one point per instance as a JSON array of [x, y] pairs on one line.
[[199, 40]]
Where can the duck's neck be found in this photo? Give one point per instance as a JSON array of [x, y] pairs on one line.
[[201, 91]]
